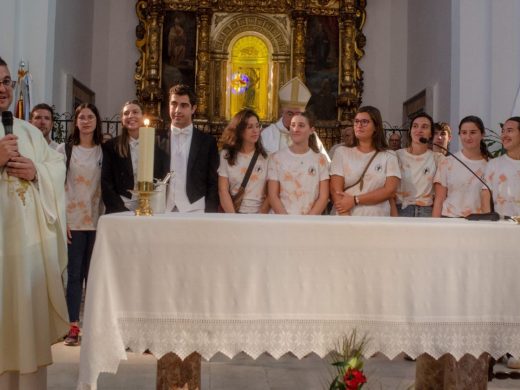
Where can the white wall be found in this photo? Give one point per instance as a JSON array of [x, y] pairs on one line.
[[429, 53], [115, 54], [73, 49], [385, 60], [505, 60], [486, 60], [27, 31]]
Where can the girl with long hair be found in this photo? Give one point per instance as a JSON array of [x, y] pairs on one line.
[[457, 191], [298, 176], [365, 177], [418, 165], [503, 173], [120, 161], [241, 142], [84, 157]]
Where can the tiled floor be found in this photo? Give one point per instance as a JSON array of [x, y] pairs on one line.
[[243, 373]]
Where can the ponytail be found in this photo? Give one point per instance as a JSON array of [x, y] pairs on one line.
[[313, 142], [484, 151]]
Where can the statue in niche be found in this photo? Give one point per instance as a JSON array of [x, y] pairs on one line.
[[321, 47], [176, 43], [250, 94], [323, 104]]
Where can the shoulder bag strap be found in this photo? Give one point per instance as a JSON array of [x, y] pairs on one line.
[[360, 180], [249, 170]]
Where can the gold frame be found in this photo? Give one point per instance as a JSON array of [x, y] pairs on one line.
[[211, 62]]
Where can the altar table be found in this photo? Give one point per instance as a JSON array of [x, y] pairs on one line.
[[266, 283]]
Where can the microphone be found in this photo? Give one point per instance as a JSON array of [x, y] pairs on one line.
[[491, 216], [7, 121]]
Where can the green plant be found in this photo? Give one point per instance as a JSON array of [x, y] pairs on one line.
[[493, 142], [59, 131], [349, 363]]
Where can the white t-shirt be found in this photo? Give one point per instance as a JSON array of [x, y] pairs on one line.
[[463, 197], [255, 191], [417, 173], [503, 176], [276, 137], [350, 163], [299, 176], [83, 187]]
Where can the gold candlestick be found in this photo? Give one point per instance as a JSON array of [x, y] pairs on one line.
[[144, 190]]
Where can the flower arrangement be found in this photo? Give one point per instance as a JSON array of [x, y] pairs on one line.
[[349, 363]]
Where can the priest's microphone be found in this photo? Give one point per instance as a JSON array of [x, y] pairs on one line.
[[7, 121], [491, 216]]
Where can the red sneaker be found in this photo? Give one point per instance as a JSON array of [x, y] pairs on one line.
[[72, 338]]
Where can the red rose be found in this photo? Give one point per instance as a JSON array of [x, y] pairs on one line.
[[354, 379]]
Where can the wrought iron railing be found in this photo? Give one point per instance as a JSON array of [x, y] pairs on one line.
[[329, 133], [64, 125]]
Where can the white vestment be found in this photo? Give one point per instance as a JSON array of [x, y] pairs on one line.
[[33, 256]]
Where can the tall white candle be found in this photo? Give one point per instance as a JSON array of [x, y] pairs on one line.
[[146, 153]]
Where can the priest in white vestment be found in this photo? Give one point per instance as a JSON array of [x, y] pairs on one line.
[[293, 97], [33, 250]]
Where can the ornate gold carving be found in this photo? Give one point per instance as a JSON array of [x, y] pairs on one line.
[[352, 19], [233, 25], [148, 72], [203, 28], [300, 25], [219, 22]]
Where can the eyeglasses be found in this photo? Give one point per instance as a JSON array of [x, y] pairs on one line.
[[8, 83], [361, 122]]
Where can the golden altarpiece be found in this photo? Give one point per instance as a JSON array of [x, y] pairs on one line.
[[237, 53]]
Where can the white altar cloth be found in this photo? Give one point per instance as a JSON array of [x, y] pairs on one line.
[[265, 283]]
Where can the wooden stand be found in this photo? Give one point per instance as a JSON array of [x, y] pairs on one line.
[[446, 373], [176, 374]]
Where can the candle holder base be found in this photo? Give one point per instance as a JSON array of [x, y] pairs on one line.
[[144, 190], [143, 204]]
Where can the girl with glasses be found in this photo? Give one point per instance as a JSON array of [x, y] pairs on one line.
[[84, 157], [365, 177]]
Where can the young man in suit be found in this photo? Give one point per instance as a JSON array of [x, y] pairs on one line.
[[194, 158]]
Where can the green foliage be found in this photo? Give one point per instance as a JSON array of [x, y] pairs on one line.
[[59, 129], [348, 358], [493, 143]]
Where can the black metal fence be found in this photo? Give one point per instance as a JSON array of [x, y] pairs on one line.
[[329, 133]]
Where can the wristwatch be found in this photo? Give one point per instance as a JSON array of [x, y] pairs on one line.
[[356, 200]]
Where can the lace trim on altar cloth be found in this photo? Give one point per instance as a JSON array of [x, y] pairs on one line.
[[301, 337]]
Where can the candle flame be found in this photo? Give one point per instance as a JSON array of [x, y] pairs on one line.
[[147, 122]]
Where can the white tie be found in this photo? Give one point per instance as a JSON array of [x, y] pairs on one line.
[[177, 131]]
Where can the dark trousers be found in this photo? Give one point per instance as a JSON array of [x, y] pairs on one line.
[[80, 251]]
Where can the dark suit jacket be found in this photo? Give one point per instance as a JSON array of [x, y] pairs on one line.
[[203, 162], [117, 176]]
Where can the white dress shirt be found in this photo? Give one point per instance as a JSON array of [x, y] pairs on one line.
[[179, 151]]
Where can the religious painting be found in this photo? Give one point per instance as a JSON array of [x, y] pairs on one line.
[[178, 52], [81, 94], [322, 66]]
